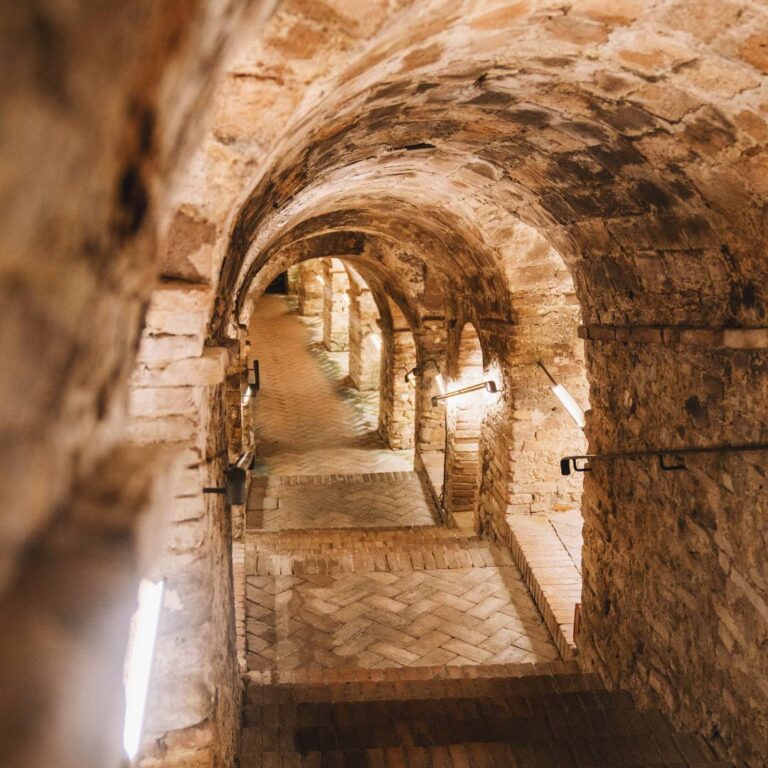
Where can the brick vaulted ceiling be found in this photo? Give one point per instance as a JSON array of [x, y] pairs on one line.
[[630, 135]]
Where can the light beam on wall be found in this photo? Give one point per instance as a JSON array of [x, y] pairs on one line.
[[139, 663], [488, 386], [376, 340], [319, 279], [566, 399]]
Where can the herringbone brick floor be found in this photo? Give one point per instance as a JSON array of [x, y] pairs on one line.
[[365, 599], [325, 589]]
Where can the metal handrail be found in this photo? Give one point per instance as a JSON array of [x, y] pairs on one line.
[[573, 461]]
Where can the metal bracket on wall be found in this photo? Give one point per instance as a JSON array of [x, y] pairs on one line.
[[669, 458], [235, 477], [254, 377]]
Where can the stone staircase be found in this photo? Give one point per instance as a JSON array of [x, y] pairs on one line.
[[516, 716]]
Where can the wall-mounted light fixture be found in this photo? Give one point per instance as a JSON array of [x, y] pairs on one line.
[[414, 373], [139, 663], [488, 386], [566, 399], [411, 376]]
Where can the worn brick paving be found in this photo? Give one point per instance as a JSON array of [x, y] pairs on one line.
[[340, 501], [355, 612], [306, 420], [515, 716]]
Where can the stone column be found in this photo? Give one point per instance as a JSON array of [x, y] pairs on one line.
[[364, 354], [397, 405], [431, 344], [310, 288], [335, 306], [293, 279]]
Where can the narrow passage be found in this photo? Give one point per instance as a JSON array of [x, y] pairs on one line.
[[347, 567]]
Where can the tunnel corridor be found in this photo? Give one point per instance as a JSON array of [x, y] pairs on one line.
[[384, 384]]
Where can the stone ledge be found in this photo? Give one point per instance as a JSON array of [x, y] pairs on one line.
[[716, 338], [553, 580]]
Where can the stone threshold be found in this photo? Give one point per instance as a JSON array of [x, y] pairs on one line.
[[351, 478]]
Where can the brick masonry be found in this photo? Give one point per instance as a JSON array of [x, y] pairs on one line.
[[205, 150]]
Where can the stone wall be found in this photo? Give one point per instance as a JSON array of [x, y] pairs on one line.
[[180, 399], [675, 584], [102, 104]]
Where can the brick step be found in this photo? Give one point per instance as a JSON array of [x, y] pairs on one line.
[[429, 729], [574, 706], [359, 550], [343, 683], [405, 535], [581, 693], [258, 480], [518, 716], [363, 558], [501, 705], [625, 752]]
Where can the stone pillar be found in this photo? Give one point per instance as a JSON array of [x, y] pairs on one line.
[[432, 344], [178, 400], [397, 405], [311, 288], [293, 279], [497, 449], [364, 354], [335, 306]]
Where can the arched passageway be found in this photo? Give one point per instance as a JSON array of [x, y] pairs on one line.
[[581, 183]]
